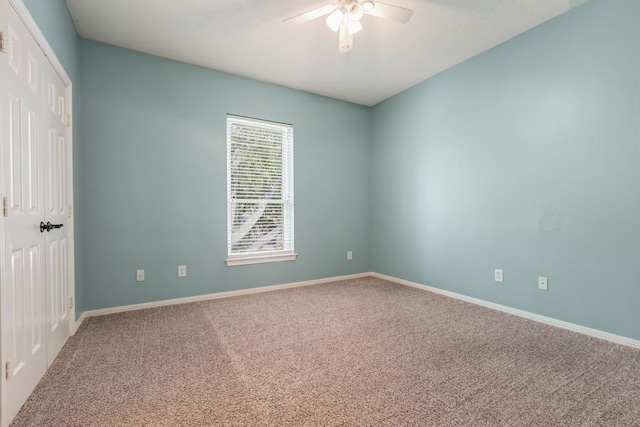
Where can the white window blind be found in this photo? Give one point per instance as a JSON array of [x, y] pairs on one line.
[[259, 191]]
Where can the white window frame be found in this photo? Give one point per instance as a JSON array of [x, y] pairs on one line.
[[287, 253]]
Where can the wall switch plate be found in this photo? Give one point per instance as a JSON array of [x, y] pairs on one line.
[[497, 275], [543, 284], [349, 256], [182, 271], [139, 275]]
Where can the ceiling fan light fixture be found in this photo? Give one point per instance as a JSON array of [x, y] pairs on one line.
[[354, 27], [355, 12], [367, 6], [345, 16], [335, 19]]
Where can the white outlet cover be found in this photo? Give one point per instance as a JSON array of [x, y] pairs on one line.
[[543, 283], [182, 271], [349, 255], [497, 275], [139, 275]]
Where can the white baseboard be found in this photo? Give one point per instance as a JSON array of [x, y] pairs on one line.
[[217, 295], [521, 313], [79, 321]]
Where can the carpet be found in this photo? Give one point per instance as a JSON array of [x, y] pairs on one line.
[[356, 352]]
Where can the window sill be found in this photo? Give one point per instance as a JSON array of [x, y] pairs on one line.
[[260, 259]]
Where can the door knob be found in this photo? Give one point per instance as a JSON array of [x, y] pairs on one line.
[[48, 226]]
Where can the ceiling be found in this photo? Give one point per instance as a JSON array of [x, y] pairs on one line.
[[248, 38]]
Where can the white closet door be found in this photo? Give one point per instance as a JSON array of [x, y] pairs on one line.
[[35, 291], [56, 205], [23, 278]]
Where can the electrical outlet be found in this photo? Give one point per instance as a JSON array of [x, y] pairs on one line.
[[182, 271], [497, 275], [543, 284], [349, 256], [140, 276]]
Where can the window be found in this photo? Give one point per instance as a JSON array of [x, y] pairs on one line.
[[259, 191]]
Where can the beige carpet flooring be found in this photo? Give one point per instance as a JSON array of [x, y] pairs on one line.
[[354, 353]]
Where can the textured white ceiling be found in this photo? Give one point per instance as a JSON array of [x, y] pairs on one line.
[[248, 38]]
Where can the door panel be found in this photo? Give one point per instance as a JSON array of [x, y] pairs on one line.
[[14, 49], [54, 301], [35, 298], [33, 165], [23, 291], [56, 213], [15, 153], [15, 307]]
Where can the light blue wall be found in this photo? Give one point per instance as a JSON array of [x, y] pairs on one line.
[[54, 20], [525, 158], [154, 182]]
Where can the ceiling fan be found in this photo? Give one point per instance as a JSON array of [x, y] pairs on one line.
[[345, 15]]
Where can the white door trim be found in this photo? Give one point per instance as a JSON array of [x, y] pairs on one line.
[[46, 48]]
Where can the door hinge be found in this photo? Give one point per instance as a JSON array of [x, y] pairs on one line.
[[68, 120], [7, 369], [69, 211], [5, 207], [3, 47], [70, 303]]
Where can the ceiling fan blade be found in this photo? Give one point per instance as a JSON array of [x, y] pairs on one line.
[[346, 39], [311, 14], [393, 13]]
